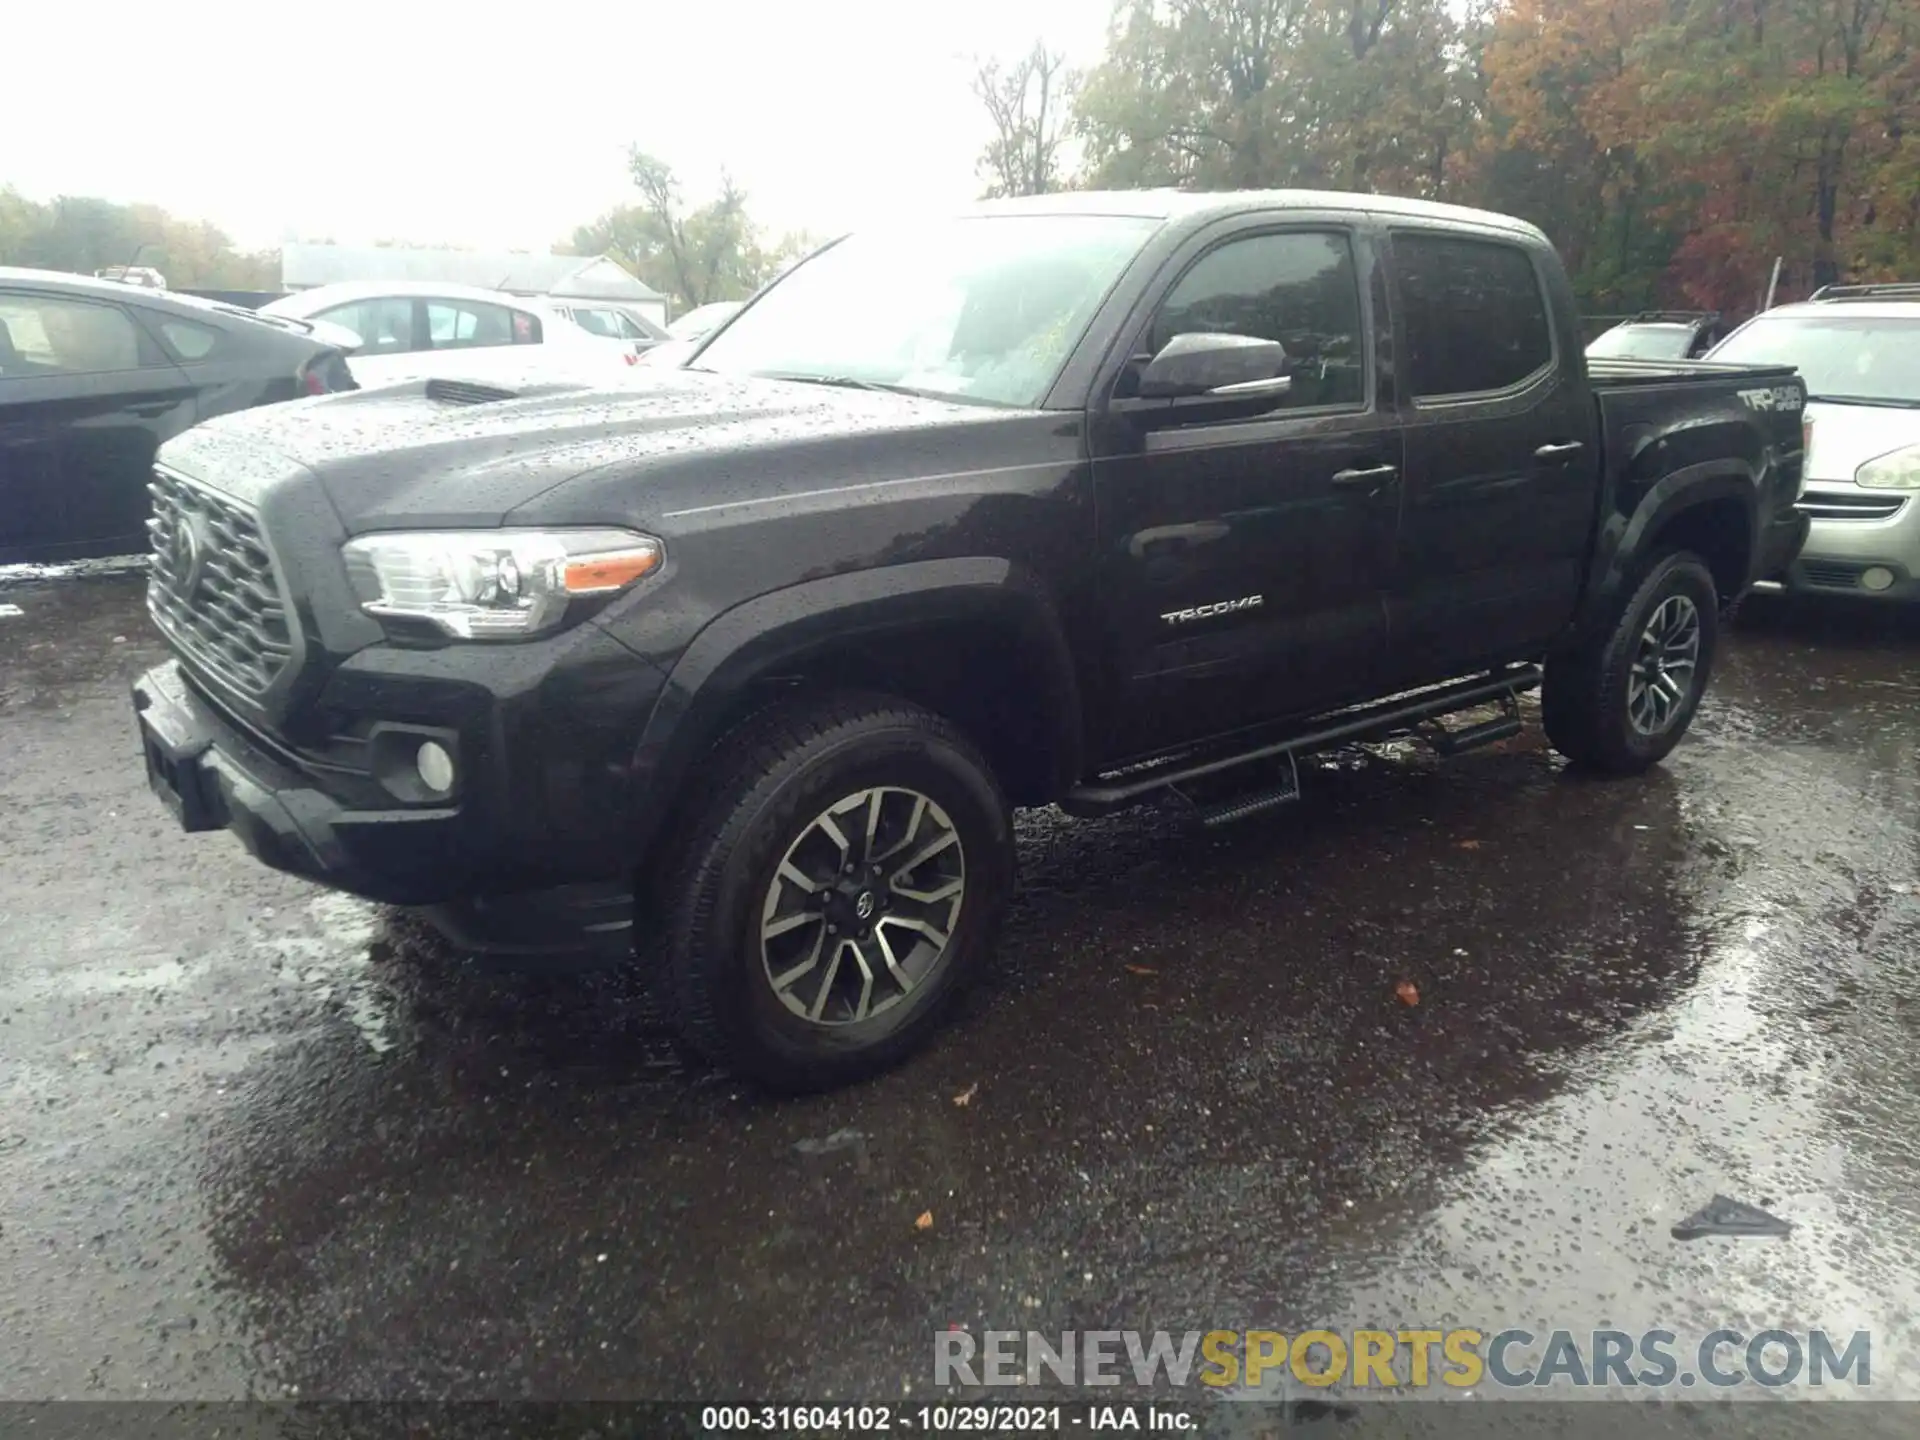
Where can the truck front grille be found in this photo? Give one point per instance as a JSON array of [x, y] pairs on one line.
[[212, 589]]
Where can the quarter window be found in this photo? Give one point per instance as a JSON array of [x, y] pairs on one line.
[[1473, 315], [600, 322], [190, 341], [1296, 287]]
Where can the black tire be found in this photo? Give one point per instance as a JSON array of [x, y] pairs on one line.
[[770, 782], [1585, 697]]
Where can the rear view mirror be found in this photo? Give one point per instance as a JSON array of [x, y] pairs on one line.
[[1220, 365]]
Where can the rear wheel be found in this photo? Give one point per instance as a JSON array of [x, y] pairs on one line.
[[1621, 702], [844, 878]]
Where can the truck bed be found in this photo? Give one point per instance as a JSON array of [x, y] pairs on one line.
[[1661, 416], [1625, 374]]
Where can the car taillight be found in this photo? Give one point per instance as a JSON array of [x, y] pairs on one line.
[[316, 383]]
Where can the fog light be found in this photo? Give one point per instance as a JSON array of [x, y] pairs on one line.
[[436, 767], [1877, 577]]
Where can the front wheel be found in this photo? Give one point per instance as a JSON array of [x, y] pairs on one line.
[[1621, 702], [844, 878]]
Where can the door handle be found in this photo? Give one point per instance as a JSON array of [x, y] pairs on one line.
[[151, 407], [1373, 475], [1560, 451]]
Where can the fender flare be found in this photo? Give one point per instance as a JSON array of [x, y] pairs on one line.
[[757, 638], [1624, 538]]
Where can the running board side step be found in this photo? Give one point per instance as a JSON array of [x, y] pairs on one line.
[[1254, 802], [1406, 714]]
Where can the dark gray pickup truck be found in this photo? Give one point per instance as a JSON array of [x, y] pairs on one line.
[[1081, 501]]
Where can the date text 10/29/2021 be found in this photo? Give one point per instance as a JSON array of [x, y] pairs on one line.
[[944, 1419]]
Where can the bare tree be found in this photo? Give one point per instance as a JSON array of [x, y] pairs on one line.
[[1028, 102]]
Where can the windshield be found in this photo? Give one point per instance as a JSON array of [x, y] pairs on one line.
[[984, 308], [1642, 342], [1851, 357]]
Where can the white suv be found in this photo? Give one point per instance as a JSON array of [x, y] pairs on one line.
[[1858, 348]]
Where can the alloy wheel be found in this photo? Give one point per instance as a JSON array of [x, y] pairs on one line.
[[862, 906], [1665, 665]]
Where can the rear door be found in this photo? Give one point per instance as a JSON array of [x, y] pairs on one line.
[[473, 324], [1245, 562], [90, 399], [1502, 473], [390, 328]]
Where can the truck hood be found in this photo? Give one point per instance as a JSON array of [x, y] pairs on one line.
[[1845, 437], [470, 452]]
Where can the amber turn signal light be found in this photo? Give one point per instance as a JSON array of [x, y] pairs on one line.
[[598, 574]]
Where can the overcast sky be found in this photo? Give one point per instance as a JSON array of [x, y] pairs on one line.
[[505, 124]]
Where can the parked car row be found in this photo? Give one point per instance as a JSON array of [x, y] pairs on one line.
[[96, 374]]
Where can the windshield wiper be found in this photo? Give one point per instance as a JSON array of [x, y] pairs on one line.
[[844, 382], [1886, 400]]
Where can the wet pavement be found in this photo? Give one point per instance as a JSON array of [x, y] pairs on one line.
[[260, 1140]]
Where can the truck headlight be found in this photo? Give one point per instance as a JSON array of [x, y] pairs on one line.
[[1899, 470], [494, 584]]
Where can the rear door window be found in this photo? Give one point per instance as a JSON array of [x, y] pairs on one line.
[[53, 335], [1473, 315], [468, 325], [385, 326]]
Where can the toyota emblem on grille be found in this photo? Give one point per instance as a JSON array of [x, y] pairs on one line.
[[187, 557]]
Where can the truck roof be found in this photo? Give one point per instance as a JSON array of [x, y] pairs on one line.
[[1201, 205]]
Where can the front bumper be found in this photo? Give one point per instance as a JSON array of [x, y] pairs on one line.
[[544, 797], [1865, 559], [213, 775]]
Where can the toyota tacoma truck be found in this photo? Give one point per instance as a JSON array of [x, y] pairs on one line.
[[1082, 501]]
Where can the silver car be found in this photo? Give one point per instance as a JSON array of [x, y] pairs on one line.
[[1858, 348]]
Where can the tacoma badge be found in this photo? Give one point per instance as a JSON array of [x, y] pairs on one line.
[[1219, 607]]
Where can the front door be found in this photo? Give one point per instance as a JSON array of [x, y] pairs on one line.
[[1244, 562]]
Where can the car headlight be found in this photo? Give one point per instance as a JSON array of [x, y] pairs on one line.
[[494, 584], [1899, 470]]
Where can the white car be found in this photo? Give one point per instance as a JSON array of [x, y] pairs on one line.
[[1858, 348], [425, 331], [703, 320], [685, 335]]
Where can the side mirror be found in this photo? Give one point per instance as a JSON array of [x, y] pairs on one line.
[[1217, 366]]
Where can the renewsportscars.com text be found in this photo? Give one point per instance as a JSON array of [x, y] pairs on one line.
[[1412, 1359]]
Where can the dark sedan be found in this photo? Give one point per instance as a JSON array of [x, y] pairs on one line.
[[95, 375]]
